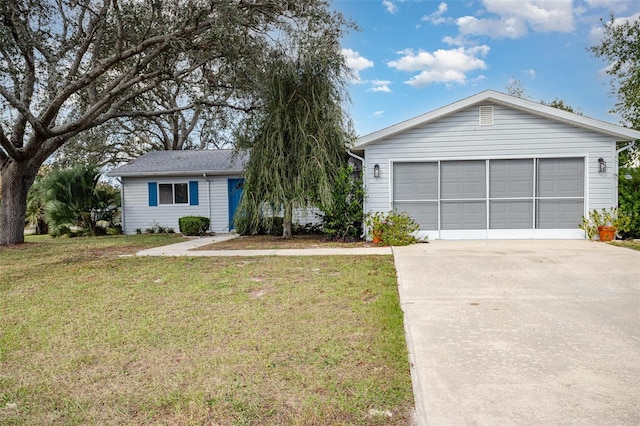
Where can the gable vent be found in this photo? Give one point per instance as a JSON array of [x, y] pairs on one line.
[[486, 116]]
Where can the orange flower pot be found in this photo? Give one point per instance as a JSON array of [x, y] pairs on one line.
[[606, 233], [377, 238]]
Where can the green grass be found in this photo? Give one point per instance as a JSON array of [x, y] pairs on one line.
[[632, 244], [87, 337]]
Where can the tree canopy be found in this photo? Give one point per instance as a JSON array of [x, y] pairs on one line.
[[70, 66], [620, 47]]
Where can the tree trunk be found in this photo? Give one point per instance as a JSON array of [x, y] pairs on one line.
[[286, 222], [17, 178]]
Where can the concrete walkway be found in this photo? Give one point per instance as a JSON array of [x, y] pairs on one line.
[[187, 248], [522, 332]]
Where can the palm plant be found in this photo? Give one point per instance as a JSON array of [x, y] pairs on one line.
[[36, 214], [74, 198]]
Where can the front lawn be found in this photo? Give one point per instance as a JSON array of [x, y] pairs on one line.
[[88, 337]]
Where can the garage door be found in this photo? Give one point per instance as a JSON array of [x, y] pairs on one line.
[[502, 198]]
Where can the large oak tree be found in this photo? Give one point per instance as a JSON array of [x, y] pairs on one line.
[[70, 66]]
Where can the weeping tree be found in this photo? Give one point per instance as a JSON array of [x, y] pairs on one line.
[[298, 144]]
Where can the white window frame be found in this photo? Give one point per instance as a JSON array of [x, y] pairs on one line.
[[173, 194]]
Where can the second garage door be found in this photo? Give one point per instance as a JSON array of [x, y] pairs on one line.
[[501, 198]]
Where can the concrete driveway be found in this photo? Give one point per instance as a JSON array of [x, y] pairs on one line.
[[522, 332]]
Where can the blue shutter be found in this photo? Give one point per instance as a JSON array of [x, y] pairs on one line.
[[153, 194], [193, 192]]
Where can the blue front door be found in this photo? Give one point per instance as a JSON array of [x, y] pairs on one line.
[[235, 193]]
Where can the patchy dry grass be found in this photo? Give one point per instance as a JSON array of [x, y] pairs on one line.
[[270, 242], [632, 244], [87, 337]]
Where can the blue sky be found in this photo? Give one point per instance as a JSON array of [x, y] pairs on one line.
[[411, 57]]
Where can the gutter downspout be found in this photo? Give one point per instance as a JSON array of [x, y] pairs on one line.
[[618, 151], [364, 188], [624, 148]]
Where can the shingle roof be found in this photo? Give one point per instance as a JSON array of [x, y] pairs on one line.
[[175, 163]]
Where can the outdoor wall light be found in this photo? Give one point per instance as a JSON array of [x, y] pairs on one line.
[[376, 171], [602, 165]]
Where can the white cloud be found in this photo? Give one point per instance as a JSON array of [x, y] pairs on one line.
[[378, 114], [380, 86], [541, 15], [531, 73], [441, 66], [457, 41], [513, 19], [494, 28], [436, 17], [390, 6], [356, 62], [596, 33]]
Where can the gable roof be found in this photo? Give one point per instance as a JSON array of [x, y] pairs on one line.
[[184, 163], [621, 134]]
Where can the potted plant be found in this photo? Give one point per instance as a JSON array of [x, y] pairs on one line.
[[392, 229], [375, 223], [605, 223]]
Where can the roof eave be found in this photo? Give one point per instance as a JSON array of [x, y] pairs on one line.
[[203, 173]]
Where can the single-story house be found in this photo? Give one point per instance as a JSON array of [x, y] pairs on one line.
[[488, 166], [160, 187], [494, 166]]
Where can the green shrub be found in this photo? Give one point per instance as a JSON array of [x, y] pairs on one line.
[[271, 226], [394, 228], [194, 225], [343, 219], [629, 199]]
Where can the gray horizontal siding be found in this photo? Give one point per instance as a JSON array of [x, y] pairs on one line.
[[514, 134], [219, 198]]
